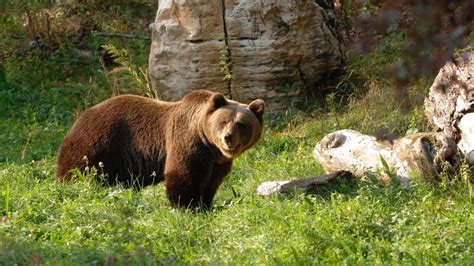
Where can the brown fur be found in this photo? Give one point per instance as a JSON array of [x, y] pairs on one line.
[[139, 141]]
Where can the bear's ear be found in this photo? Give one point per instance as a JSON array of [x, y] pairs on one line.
[[258, 108], [217, 100]]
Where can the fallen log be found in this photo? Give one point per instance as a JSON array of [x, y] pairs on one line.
[[304, 184], [421, 153]]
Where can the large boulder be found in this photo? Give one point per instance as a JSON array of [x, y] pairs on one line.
[[245, 49], [449, 105]]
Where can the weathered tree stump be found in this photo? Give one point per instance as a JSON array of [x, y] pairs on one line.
[[450, 103]]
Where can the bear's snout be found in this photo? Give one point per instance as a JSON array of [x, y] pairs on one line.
[[228, 139]]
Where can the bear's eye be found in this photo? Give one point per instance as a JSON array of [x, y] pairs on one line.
[[242, 126]]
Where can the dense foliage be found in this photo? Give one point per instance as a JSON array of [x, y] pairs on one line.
[[432, 31]]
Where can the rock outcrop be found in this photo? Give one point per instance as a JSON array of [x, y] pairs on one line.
[[450, 103], [246, 49]]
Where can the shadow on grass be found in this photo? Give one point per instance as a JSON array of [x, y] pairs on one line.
[[14, 252], [343, 184], [351, 186]]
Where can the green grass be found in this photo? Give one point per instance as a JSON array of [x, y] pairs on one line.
[[350, 222], [361, 222]]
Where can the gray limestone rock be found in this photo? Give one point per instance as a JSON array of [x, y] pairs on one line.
[[244, 49]]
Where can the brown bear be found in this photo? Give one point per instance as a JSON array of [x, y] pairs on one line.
[[138, 141]]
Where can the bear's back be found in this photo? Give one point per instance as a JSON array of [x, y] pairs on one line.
[[124, 132]]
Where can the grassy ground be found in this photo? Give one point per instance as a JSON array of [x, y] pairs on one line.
[[351, 221]]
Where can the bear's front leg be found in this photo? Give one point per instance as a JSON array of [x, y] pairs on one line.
[[218, 173], [185, 181]]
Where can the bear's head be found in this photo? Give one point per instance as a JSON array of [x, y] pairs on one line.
[[233, 127]]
